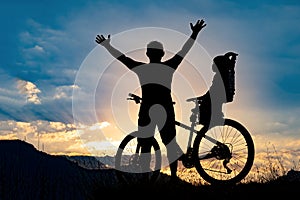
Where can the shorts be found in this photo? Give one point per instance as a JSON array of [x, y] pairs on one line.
[[162, 116]]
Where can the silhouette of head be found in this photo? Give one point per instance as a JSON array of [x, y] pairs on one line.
[[155, 51], [223, 61]]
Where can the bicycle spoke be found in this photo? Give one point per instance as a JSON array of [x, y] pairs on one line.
[[228, 161], [129, 164]]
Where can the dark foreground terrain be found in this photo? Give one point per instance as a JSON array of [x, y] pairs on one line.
[[26, 173]]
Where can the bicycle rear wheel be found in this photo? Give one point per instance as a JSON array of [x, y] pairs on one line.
[[231, 160], [128, 162]]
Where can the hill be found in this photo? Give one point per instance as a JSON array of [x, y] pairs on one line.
[[30, 174], [26, 173]]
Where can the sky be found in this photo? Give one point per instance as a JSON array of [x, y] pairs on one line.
[[66, 95]]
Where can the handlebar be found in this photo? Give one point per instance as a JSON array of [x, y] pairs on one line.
[[138, 99], [195, 99], [192, 99], [135, 98]]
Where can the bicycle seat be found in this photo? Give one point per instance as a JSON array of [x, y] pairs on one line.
[[196, 99]]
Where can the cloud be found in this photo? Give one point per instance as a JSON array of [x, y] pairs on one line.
[[22, 100], [34, 52], [38, 48], [99, 126], [30, 90], [57, 137], [43, 50], [51, 52], [65, 91]]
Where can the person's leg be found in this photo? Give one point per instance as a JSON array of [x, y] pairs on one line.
[[146, 129], [145, 158], [168, 136], [173, 152], [173, 169]]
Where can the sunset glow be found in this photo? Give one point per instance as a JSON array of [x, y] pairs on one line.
[[66, 95]]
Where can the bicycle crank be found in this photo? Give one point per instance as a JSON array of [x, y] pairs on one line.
[[187, 159]]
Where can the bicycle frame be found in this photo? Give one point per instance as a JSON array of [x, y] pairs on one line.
[[188, 161], [221, 153], [190, 156], [191, 128]]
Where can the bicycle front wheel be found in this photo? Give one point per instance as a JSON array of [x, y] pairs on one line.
[[128, 160], [227, 161]]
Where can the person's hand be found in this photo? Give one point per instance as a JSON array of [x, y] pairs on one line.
[[198, 26], [100, 39]]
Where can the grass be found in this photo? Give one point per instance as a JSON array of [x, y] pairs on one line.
[[264, 180], [59, 178], [271, 169]]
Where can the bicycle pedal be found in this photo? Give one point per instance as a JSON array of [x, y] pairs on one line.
[[187, 161]]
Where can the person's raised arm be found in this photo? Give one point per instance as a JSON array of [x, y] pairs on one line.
[[100, 39], [130, 63], [199, 25]]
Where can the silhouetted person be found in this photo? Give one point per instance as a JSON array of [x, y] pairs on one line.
[[221, 91], [155, 79]]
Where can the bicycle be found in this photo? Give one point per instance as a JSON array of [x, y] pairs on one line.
[[221, 154]]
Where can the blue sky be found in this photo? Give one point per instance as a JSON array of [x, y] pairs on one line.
[[44, 43]]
